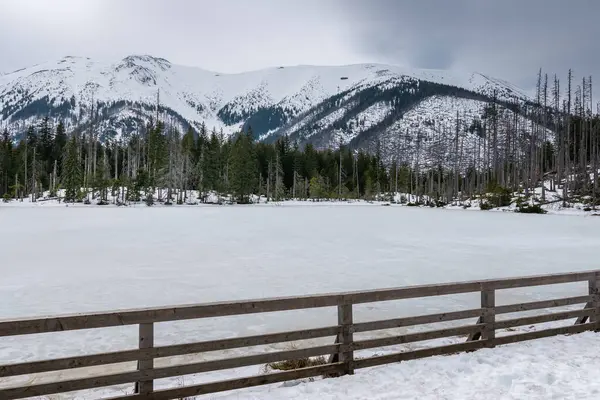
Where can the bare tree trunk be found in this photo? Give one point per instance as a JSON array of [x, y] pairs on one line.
[[54, 176], [124, 164], [595, 163], [340, 173], [294, 184], [34, 177], [568, 140], [26, 181], [18, 190], [456, 157], [544, 161], [396, 177], [116, 155], [269, 181]]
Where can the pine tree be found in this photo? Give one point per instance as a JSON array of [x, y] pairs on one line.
[[60, 141], [6, 163], [71, 171], [317, 188], [244, 167], [212, 163], [46, 142], [101, 181], [279, 178]]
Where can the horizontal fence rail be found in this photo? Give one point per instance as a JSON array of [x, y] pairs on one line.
[[480, 332]]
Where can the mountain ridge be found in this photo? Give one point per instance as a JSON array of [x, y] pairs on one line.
[[357, 104]]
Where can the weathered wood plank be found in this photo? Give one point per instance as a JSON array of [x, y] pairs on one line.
[[146, 339], [346, 338], [594, 291], [134, 317], [209, 310], [418, 320], [538, 319], [488, 303], [466, 287], [165, 372], [163, 351], [470, 346], [242, 383], [539, 280], [416, 337], [564, 330], [416, 354], [537, 305]]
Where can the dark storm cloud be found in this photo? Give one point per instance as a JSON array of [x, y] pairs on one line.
[[510, 39], [505, 38]]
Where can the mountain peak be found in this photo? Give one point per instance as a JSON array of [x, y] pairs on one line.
[[358, 104], [146, 60]]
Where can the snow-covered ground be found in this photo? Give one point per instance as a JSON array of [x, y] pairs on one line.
[[58, 260], [554, 368]]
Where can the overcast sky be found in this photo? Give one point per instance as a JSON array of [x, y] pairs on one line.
[[509, 39]]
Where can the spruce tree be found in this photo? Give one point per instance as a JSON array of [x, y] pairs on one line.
[[71, 171], [212, 163], [6, 163], [244, 167], [279, 178], [46, 143], [101, 181], [60, 141]]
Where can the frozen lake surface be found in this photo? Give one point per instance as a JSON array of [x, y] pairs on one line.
[[57, 260]]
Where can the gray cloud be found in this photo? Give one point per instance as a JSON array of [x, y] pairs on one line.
[[508, 38], [511, 39], [224, 35]]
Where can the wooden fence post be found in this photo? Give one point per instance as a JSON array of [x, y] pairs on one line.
[[346, 337], [594, 291], [146, 337], [488, 304]]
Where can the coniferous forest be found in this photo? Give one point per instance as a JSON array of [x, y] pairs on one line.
[[160, 163], [165, 161]]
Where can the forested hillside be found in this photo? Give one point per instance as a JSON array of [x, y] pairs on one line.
[[442, 155]]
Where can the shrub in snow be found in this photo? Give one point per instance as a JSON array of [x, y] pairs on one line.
[[499, 196], [485, 206], [291, 365], [530, 209]]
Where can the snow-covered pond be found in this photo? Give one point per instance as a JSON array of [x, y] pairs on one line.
[[57, 260]]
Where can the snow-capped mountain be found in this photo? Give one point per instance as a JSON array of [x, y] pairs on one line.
[[357, 105]]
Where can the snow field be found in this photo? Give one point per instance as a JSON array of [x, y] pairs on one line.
[[59, 260], [555, 368]]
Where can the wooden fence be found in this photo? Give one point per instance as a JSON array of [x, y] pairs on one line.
[[479, 335]]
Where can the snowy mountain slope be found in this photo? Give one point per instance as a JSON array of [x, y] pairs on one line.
[[440, 131], [323, 105]]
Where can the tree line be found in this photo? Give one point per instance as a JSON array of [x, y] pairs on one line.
[[163, 164], [550, 143], [554, 138]]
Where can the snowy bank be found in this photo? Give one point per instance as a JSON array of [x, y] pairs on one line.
[[562, 367]]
